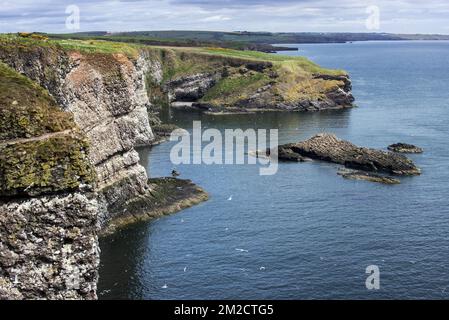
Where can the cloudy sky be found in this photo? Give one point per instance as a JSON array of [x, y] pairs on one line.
[[402, 16]]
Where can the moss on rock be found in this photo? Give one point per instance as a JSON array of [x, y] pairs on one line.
[[27, 110], [50, 165], [41, 149]]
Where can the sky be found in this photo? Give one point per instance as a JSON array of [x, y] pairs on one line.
[[402, 16]]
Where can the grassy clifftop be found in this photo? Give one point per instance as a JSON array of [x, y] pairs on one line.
[[246, 77]]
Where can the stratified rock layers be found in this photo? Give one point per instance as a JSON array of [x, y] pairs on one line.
[[106, 95], [48, 210]]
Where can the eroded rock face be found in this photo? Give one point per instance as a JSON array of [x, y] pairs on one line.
[[191, 88], [327, 147], [49, 247], [107, 96]]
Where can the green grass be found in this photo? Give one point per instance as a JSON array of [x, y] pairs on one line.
[[101, 46], [278, 59], [232, 89], [90, 46], [132, 50]]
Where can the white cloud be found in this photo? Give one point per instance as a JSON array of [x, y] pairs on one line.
[[411, 16], [216, 18]]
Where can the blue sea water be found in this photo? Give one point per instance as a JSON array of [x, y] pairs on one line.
[[307, 233]]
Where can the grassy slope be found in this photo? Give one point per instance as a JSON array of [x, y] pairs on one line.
[[132, 50], [27, 110]]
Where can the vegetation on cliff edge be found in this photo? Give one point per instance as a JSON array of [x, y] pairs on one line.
[[286, 79]]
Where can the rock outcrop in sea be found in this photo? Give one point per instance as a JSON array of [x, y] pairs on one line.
[[367, 176], [405, 148], [327, 147], [362, 163]]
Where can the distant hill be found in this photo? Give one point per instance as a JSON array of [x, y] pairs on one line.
[[241, 40]]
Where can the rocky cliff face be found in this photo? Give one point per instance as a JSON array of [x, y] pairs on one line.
[[48, 209], [57, 193], [106, 95]]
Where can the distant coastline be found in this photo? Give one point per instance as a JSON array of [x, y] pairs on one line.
[[240, 40]]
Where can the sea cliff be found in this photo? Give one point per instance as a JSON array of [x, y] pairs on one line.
[[48, 208], [72, 114]]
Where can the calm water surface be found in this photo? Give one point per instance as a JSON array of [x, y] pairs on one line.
[[308, 232]]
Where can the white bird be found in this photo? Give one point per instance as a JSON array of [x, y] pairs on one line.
[[164, 286]]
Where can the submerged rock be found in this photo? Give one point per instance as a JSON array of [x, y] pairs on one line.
[[404, 148], [327, 147], [367, 176]]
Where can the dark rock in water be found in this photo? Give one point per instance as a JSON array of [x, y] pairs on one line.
[[404, 148], [327, 147], [285, 153], [367, 176]]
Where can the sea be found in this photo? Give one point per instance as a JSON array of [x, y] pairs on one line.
[[305, 232]]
